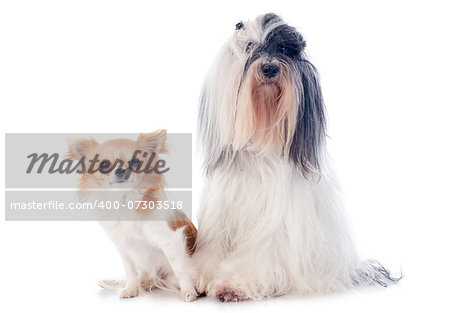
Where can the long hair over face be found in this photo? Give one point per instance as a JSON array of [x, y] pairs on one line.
[[263, 95]]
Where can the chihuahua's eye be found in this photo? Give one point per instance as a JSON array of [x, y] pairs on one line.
[[135, 163], [249, 47], [104, 166]]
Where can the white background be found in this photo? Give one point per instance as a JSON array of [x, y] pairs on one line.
[[137, 66]]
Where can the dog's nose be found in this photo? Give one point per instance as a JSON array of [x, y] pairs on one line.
[[120, 172], [270, 70]]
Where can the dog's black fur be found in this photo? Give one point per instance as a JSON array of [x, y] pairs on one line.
[[286, 44]]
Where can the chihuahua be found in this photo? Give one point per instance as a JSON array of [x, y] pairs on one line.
[[155, 246]]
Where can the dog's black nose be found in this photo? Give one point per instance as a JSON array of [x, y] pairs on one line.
[[120, 172], [270, 70]]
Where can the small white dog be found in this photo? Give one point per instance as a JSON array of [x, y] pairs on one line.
[[155, 252], [271, 221]]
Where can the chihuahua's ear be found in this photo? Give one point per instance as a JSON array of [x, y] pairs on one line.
[[78, 147], [155, 141]]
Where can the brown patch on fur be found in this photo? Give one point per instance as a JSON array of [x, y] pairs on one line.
[[151, 195], [79, 147], [181, 220], [156, 139]]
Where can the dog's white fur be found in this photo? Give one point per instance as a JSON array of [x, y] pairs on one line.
[[265, 229], [153, 253], [148, 249]]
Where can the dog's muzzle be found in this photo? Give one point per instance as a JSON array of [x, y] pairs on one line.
[[120, 176]]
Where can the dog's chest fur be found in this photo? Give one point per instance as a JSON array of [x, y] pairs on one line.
[[129, 238]]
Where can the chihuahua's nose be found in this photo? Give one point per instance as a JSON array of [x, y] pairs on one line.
[[120, 172], [270, 70]]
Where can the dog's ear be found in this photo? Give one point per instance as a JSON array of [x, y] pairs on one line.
[[307, 144], [155, 141], [78, 147]]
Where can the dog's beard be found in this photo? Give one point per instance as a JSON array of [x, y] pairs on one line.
[[266, 110]]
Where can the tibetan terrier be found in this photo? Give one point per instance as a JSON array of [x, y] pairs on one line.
[[271, 221]]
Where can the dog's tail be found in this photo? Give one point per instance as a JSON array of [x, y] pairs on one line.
[[168, 283], [111, 285], [372, 273]]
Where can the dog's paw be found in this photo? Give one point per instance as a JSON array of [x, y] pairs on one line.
[[189, 295], [202, 294], [200, 285], [147, 285], [231, 295], [127, 293]]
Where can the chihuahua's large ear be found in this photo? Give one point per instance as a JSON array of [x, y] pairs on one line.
[[155, 141], [78, 147]]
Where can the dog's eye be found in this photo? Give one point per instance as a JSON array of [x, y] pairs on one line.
[[135, 163], [249, 47], [239, 25], [104, 166]]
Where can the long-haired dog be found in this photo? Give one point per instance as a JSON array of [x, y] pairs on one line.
[[155, 244], [271, 221]]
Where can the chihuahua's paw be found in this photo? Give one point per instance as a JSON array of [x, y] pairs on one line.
[[147, 285], [201, 286], [127, 293], [189, 295]]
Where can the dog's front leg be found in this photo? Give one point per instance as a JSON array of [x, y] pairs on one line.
[[173, 245], [178, 260], [132, 279]]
